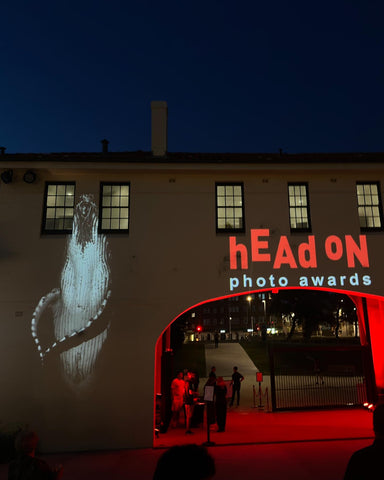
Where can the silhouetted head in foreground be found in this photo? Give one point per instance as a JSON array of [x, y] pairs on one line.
[[26, 442], [189, 462], [378, 420]]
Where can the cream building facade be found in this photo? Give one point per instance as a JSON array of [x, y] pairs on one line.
[[100, 252]]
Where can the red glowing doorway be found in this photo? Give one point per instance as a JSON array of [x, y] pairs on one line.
[[371, 328]]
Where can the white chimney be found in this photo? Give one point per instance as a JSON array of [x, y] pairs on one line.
[[159, 128]]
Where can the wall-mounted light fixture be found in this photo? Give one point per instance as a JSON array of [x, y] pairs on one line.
[[6, 176], [29, 176]]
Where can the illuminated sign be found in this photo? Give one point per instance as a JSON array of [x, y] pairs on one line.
[[77, 306], [303, 257]]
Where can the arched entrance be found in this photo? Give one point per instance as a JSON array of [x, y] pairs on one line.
[[370, 326]]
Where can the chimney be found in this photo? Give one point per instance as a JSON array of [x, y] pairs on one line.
[[105, 145], [159, 128]]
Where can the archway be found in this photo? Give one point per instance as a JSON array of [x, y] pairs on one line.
[[369, 310]]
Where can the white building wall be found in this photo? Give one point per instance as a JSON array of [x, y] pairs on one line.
[[171, 259]]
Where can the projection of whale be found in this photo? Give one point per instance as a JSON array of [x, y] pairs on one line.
[[75, 310]]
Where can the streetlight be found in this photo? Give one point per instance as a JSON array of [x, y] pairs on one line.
[[264, 302], [230, 332], [249, 298]]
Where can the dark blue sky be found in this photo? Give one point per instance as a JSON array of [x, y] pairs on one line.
[[238, 76]]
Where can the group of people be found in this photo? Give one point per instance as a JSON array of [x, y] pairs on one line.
[[185, 395]]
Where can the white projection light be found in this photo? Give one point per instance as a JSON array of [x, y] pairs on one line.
[[75, 310]]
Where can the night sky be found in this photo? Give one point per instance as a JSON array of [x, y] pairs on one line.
[[238, 76]]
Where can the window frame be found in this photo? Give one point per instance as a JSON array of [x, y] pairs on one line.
[[56, 231], [118, 231], [379, 205], [307, 229], [217, 206]]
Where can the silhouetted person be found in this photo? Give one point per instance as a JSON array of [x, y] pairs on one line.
[[211, 411], [212, 375], [216, 340], [237, 378], [221, 403], [26, 466], [190, 397], [317, 371], [186, 462], [263, 332], [195, 381], [367, 463]]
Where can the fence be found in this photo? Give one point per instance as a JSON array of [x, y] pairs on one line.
[[317, 376]]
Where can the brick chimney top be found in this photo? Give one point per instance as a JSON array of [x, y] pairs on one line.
[[159, 124]]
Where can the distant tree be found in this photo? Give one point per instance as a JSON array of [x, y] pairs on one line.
[[310, 309], [285, 303], [178, 328]]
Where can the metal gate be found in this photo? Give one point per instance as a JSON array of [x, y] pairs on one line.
[[317, 376]]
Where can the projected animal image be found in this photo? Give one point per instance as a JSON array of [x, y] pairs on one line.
[[75, 310]]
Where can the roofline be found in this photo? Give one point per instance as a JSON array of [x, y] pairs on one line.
[[197, 157]]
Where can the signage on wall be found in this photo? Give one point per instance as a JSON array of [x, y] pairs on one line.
[[300, 261]]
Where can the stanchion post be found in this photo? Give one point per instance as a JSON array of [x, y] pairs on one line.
[[208, 398], [259, 378], [260, 405]]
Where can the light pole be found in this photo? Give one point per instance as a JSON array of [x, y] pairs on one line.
[[249, 298], [264, 302], [230, 332]]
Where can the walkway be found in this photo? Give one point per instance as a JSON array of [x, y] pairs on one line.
[[224, 358]]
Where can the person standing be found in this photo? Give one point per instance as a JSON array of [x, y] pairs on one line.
[[211, 413], [177, 396], [189, 401], [237, 378], [216, 340], [212, 374], [221, 403]]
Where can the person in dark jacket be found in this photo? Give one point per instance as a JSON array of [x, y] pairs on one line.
[[367, 463], [26, 466], [237, 378], [221, 403]]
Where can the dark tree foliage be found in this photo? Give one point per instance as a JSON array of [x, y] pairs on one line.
[[177, 333], [311, 308]]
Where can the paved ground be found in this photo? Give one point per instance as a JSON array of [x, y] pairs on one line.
[[256, 444], [293, 446], [224, 358]]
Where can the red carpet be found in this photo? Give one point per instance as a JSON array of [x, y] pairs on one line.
[[246, 426]]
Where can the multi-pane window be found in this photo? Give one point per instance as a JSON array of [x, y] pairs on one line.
[[369, 206], [299, 215], [229, 207], [59, 204], [114, 207]]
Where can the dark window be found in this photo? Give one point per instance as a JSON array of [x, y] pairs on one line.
[[229, 207], [114, 207], [369, 206], [59, 201], [299, 215]]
